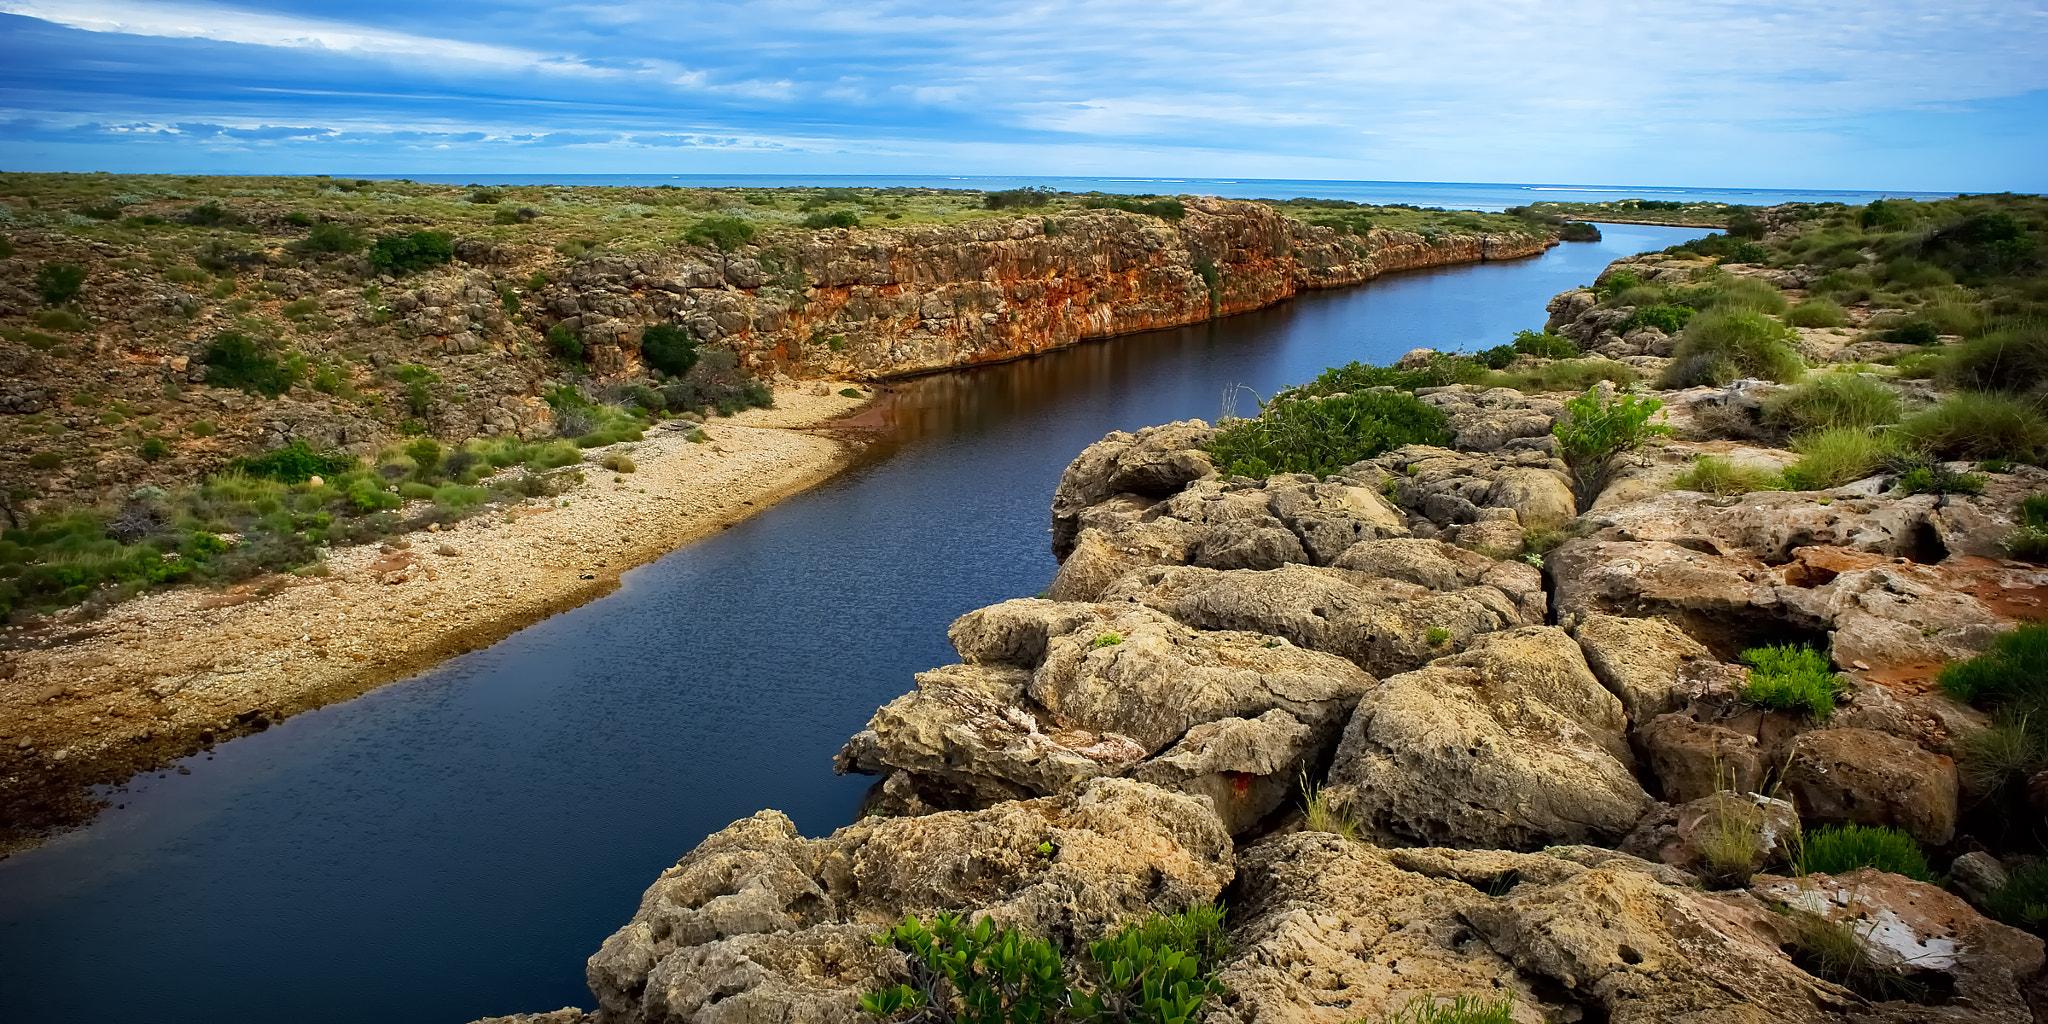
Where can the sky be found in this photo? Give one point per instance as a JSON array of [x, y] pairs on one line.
[[1905, 95]]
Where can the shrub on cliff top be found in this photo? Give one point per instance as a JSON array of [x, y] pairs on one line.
[[1833, 400], [294, 463], [403, 254], [1592, 431], [1322, 436], [1791, 679], [1722, 345], [724, 233], [1442, 370]]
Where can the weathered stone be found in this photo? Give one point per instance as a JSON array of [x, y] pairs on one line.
[[1692, 759], [1154, 462], [1511, 744], [1638, 660], [760, 924], [1725, 836], [1486, 419], [1870, 778]]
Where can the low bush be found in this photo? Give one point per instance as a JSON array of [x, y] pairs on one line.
[[1323, 435], [1919, 474], [1910, 332], [833, 219], [523, 215], [67, 320], [1165, 208], [563, 342], [1791, 679], [717, 383], [1155, 971], [1031, 196], [2013, 359], [1564, 375], [1669, 319], [1578, 231], [1833, 400], [670, 348], [2012, 676], [404, 254], [1979, 425], [1720, 346], [1442, 370], [1592, 431], [1817, 313], [234, 360], [294, 463], [723, 233], [1831, 458], [331, 237], [1839, 849], [59, 283], [1713, 475], [619, 462]]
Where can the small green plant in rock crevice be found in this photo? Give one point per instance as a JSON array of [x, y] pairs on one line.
[[1462, 1009], [1320, 814], [1592, 432], [1108, 639], [1791, 678], [1838, 849]]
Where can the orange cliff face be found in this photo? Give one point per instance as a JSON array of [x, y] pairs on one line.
[[893, 301]]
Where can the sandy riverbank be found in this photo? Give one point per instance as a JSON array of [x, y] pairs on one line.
[[164, 675]]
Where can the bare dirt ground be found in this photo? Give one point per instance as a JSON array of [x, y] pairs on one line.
[[167, 674]]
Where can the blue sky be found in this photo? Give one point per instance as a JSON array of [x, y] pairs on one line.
[[1925, 96]]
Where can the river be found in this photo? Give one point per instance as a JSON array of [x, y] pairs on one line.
[[456, 844]]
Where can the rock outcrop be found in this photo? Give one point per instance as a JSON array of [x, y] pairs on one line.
[[760, 924]]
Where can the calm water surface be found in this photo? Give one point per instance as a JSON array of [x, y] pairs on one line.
[[456, 845]]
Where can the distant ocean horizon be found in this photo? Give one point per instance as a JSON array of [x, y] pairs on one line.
[[1448, 194]]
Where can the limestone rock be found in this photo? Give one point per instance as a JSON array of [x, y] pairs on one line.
[[1382, 625], [1638, 660], [1486, 419], [1154, 462], [1723, 835], [1057, 694], [760, 924], [1870, 778], [1512, 743]]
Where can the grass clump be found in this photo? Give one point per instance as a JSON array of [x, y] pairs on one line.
[[2011, 676], [1836, 951], [235, 360], [2029, 539], [2011, 359], [1831, 458], [1722, 345], [1839, 849], [1565, 375], [1463, 1009], [1320, 814], [1593, 431], [2023, 900], [1789, 678], [1974, 425], [1321, 436], [1107, 639], [1833, 400], [1714, 475], [1817, 313]]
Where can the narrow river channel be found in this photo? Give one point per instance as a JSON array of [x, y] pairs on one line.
[[455, 845]]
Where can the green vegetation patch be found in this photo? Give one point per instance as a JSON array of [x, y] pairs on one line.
[[1833, 400], [1790, 678], [1722, 345], [404, 254], [1323, 435], [1839, 849], [235, 360]]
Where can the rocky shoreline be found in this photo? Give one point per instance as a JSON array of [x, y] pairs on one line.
[[1432, 726]]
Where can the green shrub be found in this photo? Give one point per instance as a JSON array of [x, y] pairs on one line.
[[59, 283], [486, 196], [1592, 431], [669, 348], [523, 215], [1462, 1009], [1719, 346], [1616, 283], [2023, 900], [1107, 639], [1669, 319], [1712, 475], [61, 320], [1031, 196], [1910, 332], [1578, 231], [564, 343], [1321, 436], [425, 454], [1840, 849], [1565, 375], [1152, 206], [833, 219], [1545, 345], [717, 382], [1817, 313], [1921, 475], [1791, 679], [294, 463], [724, 234], [1831, 458], [1443, 370], [402, 254], [418, 381], [154, 449], [2013, 358], [46, 460], [851, 393], [1978, 425], [328, 236], [1833, 400], [234, 360]]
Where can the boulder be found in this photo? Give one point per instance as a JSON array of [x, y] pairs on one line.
[[1487, 419], [1871, 778], [760, 924], [1382, 625], [1451, 488], [1054, 695], [1154, 462], [1973, 969], [1638, 660], [1692, 759], [1724, 836], [1512, 743]]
